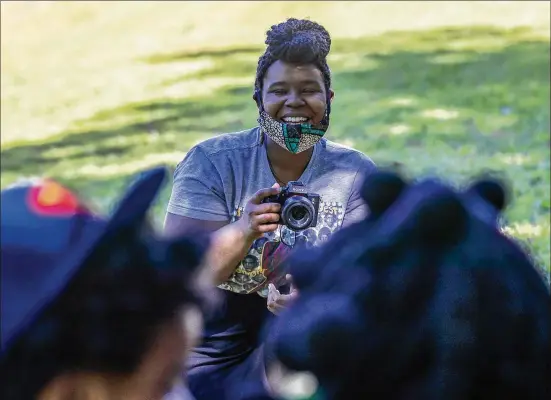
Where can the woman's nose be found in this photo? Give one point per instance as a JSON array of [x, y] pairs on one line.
[[294, 99]]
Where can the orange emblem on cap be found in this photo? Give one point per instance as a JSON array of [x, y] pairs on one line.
[[54, 199], [53, 194]]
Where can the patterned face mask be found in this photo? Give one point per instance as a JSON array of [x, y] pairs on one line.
[[293, 137]]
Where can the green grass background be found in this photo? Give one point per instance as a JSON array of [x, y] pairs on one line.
[[92, 92]]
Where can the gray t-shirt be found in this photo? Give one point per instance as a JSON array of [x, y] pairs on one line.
[[218, 176]]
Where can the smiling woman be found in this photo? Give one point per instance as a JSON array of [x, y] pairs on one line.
[[307, 111], [221, 187]]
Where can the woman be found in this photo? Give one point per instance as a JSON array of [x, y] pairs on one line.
[[93, 308], [220, 186]]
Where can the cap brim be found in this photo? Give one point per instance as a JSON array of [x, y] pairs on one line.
[[131, 210], [135, 204]]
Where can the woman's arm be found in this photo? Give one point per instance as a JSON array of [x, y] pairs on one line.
[[229, 242]]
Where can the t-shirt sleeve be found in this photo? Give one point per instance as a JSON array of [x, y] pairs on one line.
[[356, 208], [197, 190]]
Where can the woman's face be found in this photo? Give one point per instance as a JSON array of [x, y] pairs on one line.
[[294, 93]]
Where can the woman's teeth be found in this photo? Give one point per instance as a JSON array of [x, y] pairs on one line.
[[295, 120]]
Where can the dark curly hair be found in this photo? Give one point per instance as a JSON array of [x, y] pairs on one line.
[[109, 315], [423, 299], [295, 41]]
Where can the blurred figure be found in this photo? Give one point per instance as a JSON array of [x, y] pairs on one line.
[[424, 299], [93, 308]]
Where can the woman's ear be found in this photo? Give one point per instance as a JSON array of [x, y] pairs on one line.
[[257, 97], [331, 95]]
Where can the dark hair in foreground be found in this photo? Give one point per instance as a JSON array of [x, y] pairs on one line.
[[108, 316], [425, 299], [295, 41]]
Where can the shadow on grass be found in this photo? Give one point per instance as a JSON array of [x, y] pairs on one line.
[[453, 100], [458, 95], [215, 53], [129, 132]]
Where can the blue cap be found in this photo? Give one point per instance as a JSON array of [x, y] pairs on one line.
[[47, 234]]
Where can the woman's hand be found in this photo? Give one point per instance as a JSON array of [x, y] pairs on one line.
[[277, 302], [259, 218]]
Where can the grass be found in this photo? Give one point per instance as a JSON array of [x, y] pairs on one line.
[[92, 93]]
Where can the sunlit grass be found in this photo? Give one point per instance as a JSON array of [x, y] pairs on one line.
[[92, 91]]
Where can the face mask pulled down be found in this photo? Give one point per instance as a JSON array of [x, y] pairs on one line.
[[295, 138]]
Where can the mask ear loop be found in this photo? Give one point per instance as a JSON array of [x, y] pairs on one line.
[[325, 120], [258, 99]]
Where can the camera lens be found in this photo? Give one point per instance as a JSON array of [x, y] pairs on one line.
[[297, 213]]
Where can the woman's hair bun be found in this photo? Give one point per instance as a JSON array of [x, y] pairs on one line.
[[294, 39]]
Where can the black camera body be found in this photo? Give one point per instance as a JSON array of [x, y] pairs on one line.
[[299, 209]]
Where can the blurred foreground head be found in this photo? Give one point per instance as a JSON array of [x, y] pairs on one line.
[[93, 307], [425, 299]]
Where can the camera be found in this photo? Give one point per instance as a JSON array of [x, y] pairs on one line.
[[299, 209]]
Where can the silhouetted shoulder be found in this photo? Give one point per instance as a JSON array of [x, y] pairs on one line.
[[427, 277]]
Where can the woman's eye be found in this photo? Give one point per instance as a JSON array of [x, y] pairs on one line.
[[278, 92], [310, 90]]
